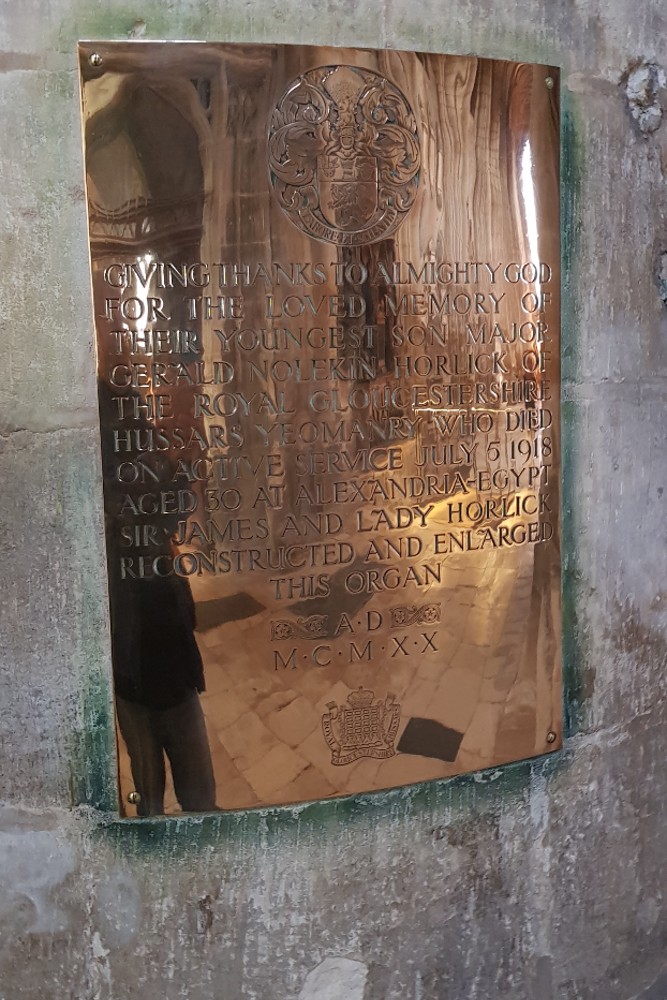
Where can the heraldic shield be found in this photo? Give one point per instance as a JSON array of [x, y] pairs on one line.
[[344, 155], [348, 188], [362, 727]]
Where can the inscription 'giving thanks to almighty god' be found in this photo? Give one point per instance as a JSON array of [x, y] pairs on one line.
[[326, 298]]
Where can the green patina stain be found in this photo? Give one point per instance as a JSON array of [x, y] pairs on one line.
[[198, 21], [92, 778], [202, 21], [572, 167], [486, 39], [435, 805], [87, 22], [575, 646], [92, 747]]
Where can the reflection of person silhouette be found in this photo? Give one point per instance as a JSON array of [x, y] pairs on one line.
[[158, 674], [158, 669]]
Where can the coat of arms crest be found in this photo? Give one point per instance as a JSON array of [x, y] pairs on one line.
[[361, 728], [344, 155]]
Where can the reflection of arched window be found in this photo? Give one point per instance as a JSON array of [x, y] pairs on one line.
[[116, 178], [146, 180], [146, 185]]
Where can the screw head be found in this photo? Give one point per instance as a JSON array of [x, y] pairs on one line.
[[551, 737], [134, 798], [95, 59], [549, 82]]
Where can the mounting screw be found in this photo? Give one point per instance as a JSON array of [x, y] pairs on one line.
[[95, 59], [551, 736], [549, 82], [134, 798]]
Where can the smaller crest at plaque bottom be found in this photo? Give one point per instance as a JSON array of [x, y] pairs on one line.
[[363, 727]]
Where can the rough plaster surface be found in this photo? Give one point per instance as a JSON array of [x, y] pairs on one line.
[[541, 882], [335, 979]]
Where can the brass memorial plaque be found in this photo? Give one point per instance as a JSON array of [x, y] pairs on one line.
[[326, 296]]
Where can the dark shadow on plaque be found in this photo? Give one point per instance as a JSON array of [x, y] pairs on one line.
[[428, 738], [210, 614]]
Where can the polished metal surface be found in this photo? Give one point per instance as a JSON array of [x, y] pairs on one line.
[[326, 298]]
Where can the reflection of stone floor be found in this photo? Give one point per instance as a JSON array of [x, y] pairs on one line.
[[265, 725]]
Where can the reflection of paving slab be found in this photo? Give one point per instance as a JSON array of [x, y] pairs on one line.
[[210, 614], [428, 738]]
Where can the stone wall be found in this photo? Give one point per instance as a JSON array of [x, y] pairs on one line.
[[542, 881]]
